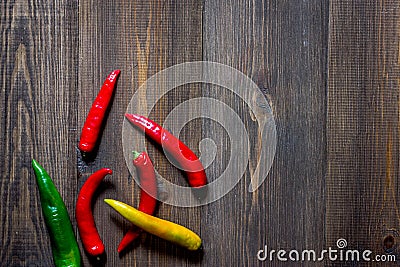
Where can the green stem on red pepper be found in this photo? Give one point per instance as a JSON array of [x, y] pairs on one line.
[[186, 158], [148, 194]]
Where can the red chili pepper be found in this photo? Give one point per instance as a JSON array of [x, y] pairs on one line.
[[147, 203], [84, 215], [181, 153], [94, 119]]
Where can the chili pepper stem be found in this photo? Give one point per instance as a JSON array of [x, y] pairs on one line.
[[186, 158], [135, 154], [148, 194]]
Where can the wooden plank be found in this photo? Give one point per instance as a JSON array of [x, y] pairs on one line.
[[363, 125], [140, 38], [281, 45], [349, 130], [38, 100]]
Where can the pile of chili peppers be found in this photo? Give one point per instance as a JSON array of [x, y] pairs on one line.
[[63, 241]]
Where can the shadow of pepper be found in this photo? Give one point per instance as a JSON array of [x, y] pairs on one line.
[[169, 249], [97, 260]]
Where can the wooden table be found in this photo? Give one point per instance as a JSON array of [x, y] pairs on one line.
[[329, 69]]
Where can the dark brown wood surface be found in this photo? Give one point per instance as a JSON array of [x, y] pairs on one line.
[[362, 188], [329, 69]]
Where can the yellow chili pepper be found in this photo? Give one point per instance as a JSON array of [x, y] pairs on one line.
[[164, 229]]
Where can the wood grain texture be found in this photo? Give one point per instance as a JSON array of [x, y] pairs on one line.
[[38, 100], [281, 45], [140, 38], [330, 70], [363, 125]]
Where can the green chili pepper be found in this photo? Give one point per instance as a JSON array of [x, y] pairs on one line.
[[63, 241]]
